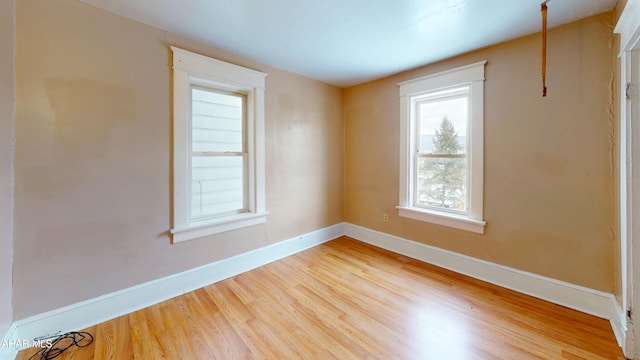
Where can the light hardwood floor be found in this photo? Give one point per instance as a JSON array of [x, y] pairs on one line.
[[349, 300]]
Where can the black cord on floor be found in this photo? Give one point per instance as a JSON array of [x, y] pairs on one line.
[[55, 347]]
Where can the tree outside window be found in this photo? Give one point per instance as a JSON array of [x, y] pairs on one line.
[[442, 172]]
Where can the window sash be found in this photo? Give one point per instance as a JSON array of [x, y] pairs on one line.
[[444, 156], [198, 195], [220, 189], [416, 184], [221, 117], [456, 92]]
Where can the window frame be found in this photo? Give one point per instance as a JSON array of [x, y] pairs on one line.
[[191, 69], [410, 93]]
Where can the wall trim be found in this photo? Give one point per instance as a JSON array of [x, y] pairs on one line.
[[94, 311], [9, 352], [628, 26], [619, 326], [573, 296]]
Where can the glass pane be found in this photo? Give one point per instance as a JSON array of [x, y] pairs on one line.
[[442, 183], [218, 185], [443, 125], [217, 121], [441, 162]]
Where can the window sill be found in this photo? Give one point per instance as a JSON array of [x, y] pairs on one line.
[[211, 227], [440, 218]]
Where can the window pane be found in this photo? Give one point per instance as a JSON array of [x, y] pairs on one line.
[[217, 185], [441, 162], [442, 183], [217, 121], [432, 115]]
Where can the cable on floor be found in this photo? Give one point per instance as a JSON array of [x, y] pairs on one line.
[[55, 347]]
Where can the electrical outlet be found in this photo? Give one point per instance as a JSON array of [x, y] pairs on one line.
[[385, 217]]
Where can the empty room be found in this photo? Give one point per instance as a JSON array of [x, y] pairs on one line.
[[430, 179]]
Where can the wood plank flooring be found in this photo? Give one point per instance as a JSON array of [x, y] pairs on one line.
[[349, 300]]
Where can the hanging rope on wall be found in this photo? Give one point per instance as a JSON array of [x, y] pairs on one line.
[[543, 10]]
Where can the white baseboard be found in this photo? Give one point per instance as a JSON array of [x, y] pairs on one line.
[[88, 313], [576, 297], [9, 352], [618, 323], [94, 311]]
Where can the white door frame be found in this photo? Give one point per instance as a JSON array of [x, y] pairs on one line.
[[628, 26]]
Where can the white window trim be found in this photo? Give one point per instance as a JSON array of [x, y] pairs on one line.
[[472, 75], [190, 68]]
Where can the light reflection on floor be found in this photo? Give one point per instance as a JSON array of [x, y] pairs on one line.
[[442, 335]]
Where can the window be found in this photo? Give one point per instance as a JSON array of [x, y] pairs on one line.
[[218, 146], [218, 153], [441, 155]]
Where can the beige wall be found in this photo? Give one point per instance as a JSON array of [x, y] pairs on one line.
[[549, 176], [92, 166], [93, 161], [6, 161]]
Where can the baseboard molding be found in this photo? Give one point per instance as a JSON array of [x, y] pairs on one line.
[[576, 297], [618, 323], [9, 352], [94, 311]]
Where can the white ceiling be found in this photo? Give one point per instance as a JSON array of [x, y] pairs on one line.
[[346, 42]]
